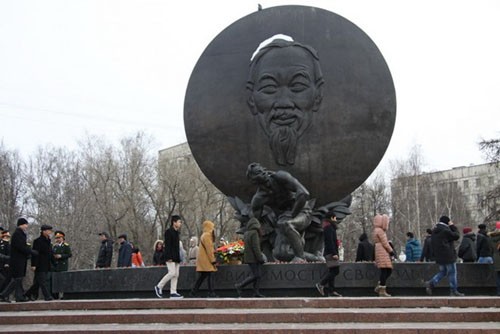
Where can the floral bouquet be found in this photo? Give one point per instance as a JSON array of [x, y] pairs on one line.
[[231, 251]]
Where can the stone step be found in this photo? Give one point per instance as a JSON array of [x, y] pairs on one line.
[[274, 328], [253, 315], [250, 303]]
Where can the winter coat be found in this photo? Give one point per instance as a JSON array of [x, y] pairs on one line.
[[443, 238], [413, 250], [171, 245], [43, 259], [467, 248], [495, 240], [330, 238], [382, 248], [61, 264], [19, 253], [365, 251], [427, 250], [483, 243], [206, 258], [4, 253], [158, 255], [125, 255], [136, 259], [105, 254], [252, 253]]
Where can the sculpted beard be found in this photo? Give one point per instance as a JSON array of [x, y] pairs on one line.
[[283, 142]]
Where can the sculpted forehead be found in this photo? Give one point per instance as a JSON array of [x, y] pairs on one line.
[[291, 58]]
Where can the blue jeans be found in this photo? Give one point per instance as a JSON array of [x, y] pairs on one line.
[[486, 259], [449, 270]]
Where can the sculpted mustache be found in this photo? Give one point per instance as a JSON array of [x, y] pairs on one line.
[[280, 112]]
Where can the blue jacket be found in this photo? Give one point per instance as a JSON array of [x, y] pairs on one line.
[[413, 250], [125, 255]]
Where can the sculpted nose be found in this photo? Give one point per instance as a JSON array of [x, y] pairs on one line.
[[283, 100]]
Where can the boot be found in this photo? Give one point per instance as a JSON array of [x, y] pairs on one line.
[[382, 292], [4, 296], [256, 289], [377, 288]]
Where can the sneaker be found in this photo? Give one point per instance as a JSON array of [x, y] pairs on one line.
[[158, 291], [334, 294], [428, 288], [5, 299], [321, 289], [175, 296], [456, 293]]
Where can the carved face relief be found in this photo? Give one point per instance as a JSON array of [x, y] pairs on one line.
[[284, 92]]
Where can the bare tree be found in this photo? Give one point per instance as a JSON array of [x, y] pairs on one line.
[[491, 200], [12, 187]]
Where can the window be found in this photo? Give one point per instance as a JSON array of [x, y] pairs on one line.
[[466, 184], [478, 182], [491, 180]]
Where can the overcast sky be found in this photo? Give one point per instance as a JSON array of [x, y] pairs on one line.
[[113, 68]]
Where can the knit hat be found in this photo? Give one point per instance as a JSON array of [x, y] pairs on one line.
[[467, 230], [22, 221], [498, 226], [105, 234], [123, 235], [444, 219], [481, 226]]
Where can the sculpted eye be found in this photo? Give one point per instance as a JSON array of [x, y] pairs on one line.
[[268, 89], [298, 86]]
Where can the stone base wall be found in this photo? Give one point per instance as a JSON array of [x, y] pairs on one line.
[[279, 280]]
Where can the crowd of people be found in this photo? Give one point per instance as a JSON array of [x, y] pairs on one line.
[[439, 246], [45, 259]]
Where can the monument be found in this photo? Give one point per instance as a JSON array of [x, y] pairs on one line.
[[302, 100]]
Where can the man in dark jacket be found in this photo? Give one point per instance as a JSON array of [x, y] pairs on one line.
[[125, 252], [484, 248], [467, 248], [105, 251], [173, 258], [331, 249], [19, 253], [427, 250], [443, 237], [40, 263], [253, 257], [365, 251]]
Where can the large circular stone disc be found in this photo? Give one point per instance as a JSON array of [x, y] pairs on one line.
[[347, 136]]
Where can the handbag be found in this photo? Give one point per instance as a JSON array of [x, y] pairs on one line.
[[331, 262]]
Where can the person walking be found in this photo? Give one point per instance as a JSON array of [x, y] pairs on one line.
[[205, 261], [40, 264], [193, 250], [413, 250], [19, 253], [365, 250], [4, 259], [426, 255], [125, 252], [61, 252], [443, 237], [105, 251], [484, 248], [253, 257], [495, 239], [467, 248], [173, 258], [383, 253], [137, 260], [327, 285], [159, 254]]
